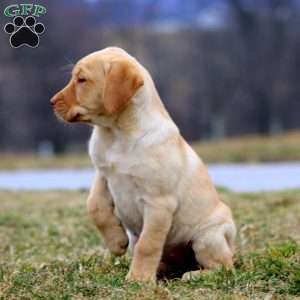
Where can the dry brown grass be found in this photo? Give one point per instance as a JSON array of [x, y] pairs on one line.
[[285, 147], [10, 161]]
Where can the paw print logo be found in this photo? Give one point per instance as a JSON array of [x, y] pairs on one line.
[[24, 32]]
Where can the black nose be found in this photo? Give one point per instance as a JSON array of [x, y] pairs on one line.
[[54, 99]]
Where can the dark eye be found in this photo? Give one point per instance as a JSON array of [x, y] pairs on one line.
[[81, 80]]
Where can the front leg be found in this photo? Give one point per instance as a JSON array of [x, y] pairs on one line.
[[158, 216], [101, 210]]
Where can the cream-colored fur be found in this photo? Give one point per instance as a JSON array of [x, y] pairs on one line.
[[149, 182]]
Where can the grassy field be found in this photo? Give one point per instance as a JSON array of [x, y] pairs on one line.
[[49, 249], [284, 147]]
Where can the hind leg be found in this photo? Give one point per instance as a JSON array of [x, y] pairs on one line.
[[212, 249]]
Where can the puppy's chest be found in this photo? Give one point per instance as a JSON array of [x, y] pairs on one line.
[[114, 162], [128, 198], [126, 188]]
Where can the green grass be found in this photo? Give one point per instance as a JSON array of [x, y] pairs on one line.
[[285, 147], [49, 249]]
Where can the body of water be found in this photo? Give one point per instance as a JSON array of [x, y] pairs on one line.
[[237, 177]]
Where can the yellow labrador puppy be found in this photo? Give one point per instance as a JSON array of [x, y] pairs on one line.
[[150, 185]]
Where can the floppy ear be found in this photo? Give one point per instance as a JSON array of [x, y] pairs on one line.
[[122, 81]]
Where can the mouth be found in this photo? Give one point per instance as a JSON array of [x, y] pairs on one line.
[[75, 114], [60, 115], [79, 118]]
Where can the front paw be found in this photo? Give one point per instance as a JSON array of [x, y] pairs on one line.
[[187, 276], [141, 277], [118, 245]]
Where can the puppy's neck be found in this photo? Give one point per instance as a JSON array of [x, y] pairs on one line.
[[144, 114]]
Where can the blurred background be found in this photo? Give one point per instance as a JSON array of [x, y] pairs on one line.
[[223, 68]]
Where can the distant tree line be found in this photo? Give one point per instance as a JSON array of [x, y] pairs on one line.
[[242, 78]]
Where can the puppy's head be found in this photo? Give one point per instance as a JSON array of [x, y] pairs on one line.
[[102, 84]]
